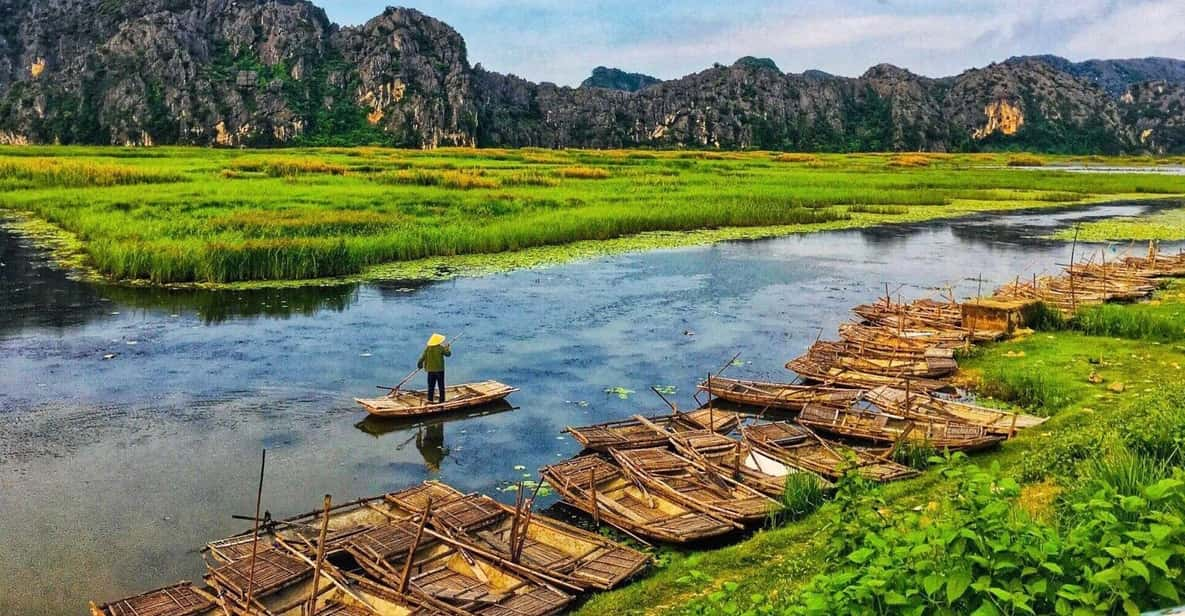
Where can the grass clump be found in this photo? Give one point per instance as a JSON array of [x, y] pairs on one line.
[[530, 178], [1025, 160], [795, 157], [50, 173], [1132, 322], [802, 494], [289, 167], [581, 172], [910, 160], [885, 210]]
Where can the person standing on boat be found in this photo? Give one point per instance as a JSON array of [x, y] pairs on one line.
[[432, 362]]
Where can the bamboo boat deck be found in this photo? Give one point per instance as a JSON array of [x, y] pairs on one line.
[[445, 574], [593, 485], [180, 599], [577, 556], [783, 396], [677, 478], [794, 446], [634, 434], [738, 460], [885, 428], [920, 406], [414, 403], [820, 369]]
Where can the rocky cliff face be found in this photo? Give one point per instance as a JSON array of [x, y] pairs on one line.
[[617, 79], [270, 72]]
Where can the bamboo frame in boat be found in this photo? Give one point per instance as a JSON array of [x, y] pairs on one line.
[[784, 396], [575, 556], [632, 434], [414, 403], [821, 370], [885, 428], [676, 478], [921, 407], [798, 447], [444, 574], [180, 599], [593, 485]]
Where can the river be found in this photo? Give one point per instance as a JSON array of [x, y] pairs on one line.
[[134, 418]]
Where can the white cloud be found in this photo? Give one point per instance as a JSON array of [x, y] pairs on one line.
[[1155, 28]]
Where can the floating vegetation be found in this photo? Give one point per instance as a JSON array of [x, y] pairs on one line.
[[1165, 225], [666, 390], [620, 392]]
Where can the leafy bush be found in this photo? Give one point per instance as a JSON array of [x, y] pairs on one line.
[[973, 552]]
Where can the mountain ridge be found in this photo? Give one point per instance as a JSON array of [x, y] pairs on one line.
[[279, 72]]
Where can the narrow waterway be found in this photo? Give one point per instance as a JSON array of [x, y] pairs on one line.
[[133, 418]]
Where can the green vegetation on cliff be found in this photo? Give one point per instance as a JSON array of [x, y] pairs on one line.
[[176, 215]]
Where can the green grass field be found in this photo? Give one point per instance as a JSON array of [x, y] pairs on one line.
[[187, 215], [1117, 416]]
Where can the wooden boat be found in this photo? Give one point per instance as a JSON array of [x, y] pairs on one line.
[[738, 461], [632, 434], [366, 597], [781, 396], [575, 556], [675, 477], [457, 397], [923, 311], [593, 485], [798, 447], [441, 574], [819, 368], [924, 367], [922, 407], [885, 428], [891, 341], [276, 580], [180, 599]]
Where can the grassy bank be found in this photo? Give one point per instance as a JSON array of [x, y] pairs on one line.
[[1168, 226], [178, 215], [1039, 509]]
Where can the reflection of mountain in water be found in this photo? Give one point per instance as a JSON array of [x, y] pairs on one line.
[[35, 294]]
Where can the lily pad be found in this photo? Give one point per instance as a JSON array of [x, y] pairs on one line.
[[620, 392], [666, 390]]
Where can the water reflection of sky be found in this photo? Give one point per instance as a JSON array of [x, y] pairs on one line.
[[114, 470]]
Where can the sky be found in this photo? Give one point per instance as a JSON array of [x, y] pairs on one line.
[[561, 42]]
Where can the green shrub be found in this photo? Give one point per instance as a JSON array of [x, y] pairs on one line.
[[802, 495]]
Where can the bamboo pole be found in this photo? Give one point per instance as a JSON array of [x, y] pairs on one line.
[[592, 495], [320, 554], [255, 530], [415, 545]]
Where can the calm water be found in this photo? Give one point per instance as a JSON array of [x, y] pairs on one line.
[[114, 471]]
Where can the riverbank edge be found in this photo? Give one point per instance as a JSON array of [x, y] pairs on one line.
[[68, 251], [778, 562]]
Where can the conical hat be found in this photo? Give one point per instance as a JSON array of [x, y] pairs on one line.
[[435, 339]]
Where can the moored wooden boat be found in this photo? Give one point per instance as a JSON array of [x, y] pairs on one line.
[[275, 581], [901, 341], [180, 599], [739, 461], [575, 556], [821, 369], [798, 447], [866, 425], [925, 366], [926, 312], [633, 434], [673, 476], [782, 396], [922, 406], [593, 485], [414, 403], [441, 574]]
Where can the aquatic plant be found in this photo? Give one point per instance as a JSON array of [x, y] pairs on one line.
[[801, 495]]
